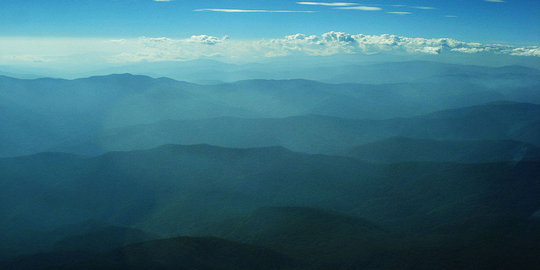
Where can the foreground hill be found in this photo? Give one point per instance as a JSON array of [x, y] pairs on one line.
[[331, 135], [314, 236], [401, 149], [102, 239], [85, 237], [175, 253], [329, 240], [420, 215], [312, 239]]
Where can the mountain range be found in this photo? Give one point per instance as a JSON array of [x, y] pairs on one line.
[[403, 165]]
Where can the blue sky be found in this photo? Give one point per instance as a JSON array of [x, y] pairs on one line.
[[97, 33], [510, 22]]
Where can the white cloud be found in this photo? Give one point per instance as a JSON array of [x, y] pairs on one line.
[[399, 12], [163, 0], [495, 1], [416, 7], [450, 16], [228, 10], [208, 40], [331, 4], [364, 8]]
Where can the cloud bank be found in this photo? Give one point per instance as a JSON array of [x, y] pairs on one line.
[[327, 44], [152, 49]]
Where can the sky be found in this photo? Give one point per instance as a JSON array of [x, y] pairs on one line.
[[150, 30]]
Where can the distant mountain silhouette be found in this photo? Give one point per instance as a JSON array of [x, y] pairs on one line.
[[201, 71]]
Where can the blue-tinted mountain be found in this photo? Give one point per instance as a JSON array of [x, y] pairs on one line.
[[48, 113]]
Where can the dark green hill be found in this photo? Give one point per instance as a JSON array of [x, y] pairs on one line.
[[401, 149], [316, 236], [102, 239], [175, 253], [89, 236], [303, 224], [175, 189], [330, 240]]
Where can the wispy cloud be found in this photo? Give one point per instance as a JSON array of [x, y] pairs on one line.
[[495, 1], [450, 16], [364, 8], [330, 4], [228, 10], [399, 12], [163, 0], [416, 7], [424, 8]]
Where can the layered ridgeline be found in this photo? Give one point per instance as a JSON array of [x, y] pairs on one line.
[[48, 114], [181, 190], [469, 131]]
